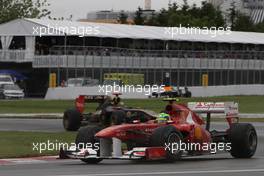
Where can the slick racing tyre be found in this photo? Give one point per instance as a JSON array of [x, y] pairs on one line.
[[243, 138], [86, 135], [167, 136], [72, 120]]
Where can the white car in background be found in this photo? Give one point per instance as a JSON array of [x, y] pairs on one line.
[[11, 91], [81, 82], [6, 79]]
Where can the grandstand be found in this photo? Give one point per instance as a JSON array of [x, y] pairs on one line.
[[237, 58]]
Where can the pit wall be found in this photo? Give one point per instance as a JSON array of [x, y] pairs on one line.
[[63, 93]]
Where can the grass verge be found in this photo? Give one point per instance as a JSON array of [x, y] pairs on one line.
[[20, 144], [247, 104]]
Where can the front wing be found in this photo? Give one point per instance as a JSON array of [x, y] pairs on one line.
[[150, 153]]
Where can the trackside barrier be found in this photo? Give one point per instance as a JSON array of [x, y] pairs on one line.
[[210, 91]]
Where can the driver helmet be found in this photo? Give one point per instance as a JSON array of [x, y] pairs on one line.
[[116, 100], [163, 117]]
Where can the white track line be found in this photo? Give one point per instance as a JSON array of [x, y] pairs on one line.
[[173, 173], [31, 160]]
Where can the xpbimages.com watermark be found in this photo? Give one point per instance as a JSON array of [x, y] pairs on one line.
[[209, 147], [171, 147], [80, 31], [56, 146], [174, 32], [146, 89]]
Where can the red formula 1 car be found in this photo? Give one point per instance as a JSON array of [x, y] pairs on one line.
[[183, 134]]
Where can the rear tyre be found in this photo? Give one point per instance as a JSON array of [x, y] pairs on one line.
[[72, 120], [243, 138], [86, 135], [164, 136]]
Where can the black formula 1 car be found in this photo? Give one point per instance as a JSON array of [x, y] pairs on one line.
[[108, 112]]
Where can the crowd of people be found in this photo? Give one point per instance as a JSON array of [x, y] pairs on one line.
[[109, 51]]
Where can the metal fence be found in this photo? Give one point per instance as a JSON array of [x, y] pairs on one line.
[[16, 56], [185, 67], [102, 57], [51, 61]]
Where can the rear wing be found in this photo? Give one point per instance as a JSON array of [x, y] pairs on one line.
[[82, 99], [93, 98], [230, 109]]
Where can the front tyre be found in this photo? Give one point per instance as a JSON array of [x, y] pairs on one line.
[[167, 136], [243, 138], [86, 136]]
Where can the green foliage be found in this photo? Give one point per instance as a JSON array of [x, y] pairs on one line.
[[122, 19], [247, 104], [139, 19], [259, 27], [13, 9], [243, 23], [20, 144], [232, 14], [188, 16], [204, 16], [151, 21]]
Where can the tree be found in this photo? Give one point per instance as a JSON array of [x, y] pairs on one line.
[[204, 16], [194, 11], [207, 9], [232, 14], [162, 18], [259, 27], [139, 19], [122, 19], [219, 19], [13, 9], [185, 7], [242, 23], [152, 20]]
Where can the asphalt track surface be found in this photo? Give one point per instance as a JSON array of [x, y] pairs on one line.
[[55, 125], [44, 125], [217, 165]]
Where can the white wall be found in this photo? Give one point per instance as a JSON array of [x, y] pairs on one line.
[[73, 92], [227, 90]]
